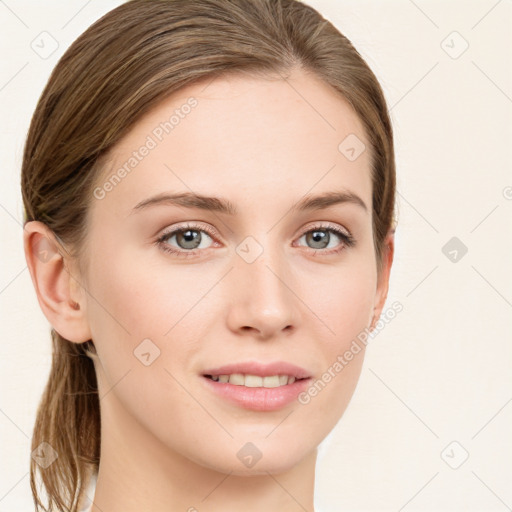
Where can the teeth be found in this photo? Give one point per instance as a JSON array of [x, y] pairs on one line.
[[251, 381], [237, 379], [283, 380], [255, 381], [272, 381]]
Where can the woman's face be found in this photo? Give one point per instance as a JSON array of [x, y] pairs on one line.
[[267, 283]]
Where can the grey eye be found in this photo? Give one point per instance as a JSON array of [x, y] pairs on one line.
[[187, 239]]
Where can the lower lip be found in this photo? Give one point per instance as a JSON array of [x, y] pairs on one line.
[[258, 399]]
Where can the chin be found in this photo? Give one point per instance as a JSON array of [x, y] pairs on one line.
[[257, 457]]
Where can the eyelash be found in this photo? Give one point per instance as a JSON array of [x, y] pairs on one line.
[[347, 239]]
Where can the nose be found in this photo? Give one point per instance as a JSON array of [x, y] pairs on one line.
[[262, 301]]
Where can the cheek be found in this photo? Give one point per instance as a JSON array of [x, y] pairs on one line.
[[137, 298], [341, 300], [144, 321], [344, 306], [144, 324]]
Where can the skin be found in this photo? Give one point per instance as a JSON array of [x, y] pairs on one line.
[[168, 443]]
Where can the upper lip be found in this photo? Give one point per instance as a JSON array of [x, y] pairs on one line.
[[261, 369]]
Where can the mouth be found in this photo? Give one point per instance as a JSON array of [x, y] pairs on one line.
[[258, 387], [253, 374], [255, 381]]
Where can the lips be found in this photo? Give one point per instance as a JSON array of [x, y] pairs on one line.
[[259, 369], [252, 385]]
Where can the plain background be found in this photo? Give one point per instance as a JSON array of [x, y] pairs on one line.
[[436, 383]]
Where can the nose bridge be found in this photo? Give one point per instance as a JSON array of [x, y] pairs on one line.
[[264, 299]]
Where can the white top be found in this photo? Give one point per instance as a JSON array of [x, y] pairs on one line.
[[86, 506]]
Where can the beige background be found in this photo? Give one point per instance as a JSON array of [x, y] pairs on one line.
[[441, 370]]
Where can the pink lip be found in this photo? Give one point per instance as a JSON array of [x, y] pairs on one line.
[[263, 370], [260, 398]]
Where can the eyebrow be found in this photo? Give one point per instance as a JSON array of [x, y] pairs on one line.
[[221, 205]]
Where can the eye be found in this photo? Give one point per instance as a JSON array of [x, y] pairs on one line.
[[320, 238], [188, 238]]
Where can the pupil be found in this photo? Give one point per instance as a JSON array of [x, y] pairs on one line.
[[190, 237], [320, 237]]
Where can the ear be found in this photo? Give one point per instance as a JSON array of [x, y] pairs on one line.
[[383, 278], [59, 294]]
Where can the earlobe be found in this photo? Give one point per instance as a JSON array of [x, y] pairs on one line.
[[58, 295]]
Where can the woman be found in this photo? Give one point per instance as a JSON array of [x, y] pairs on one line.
[[209, 193]]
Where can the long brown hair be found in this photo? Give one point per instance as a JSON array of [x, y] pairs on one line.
[[118, 69]]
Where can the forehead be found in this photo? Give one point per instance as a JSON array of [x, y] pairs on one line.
[[249, 138]]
